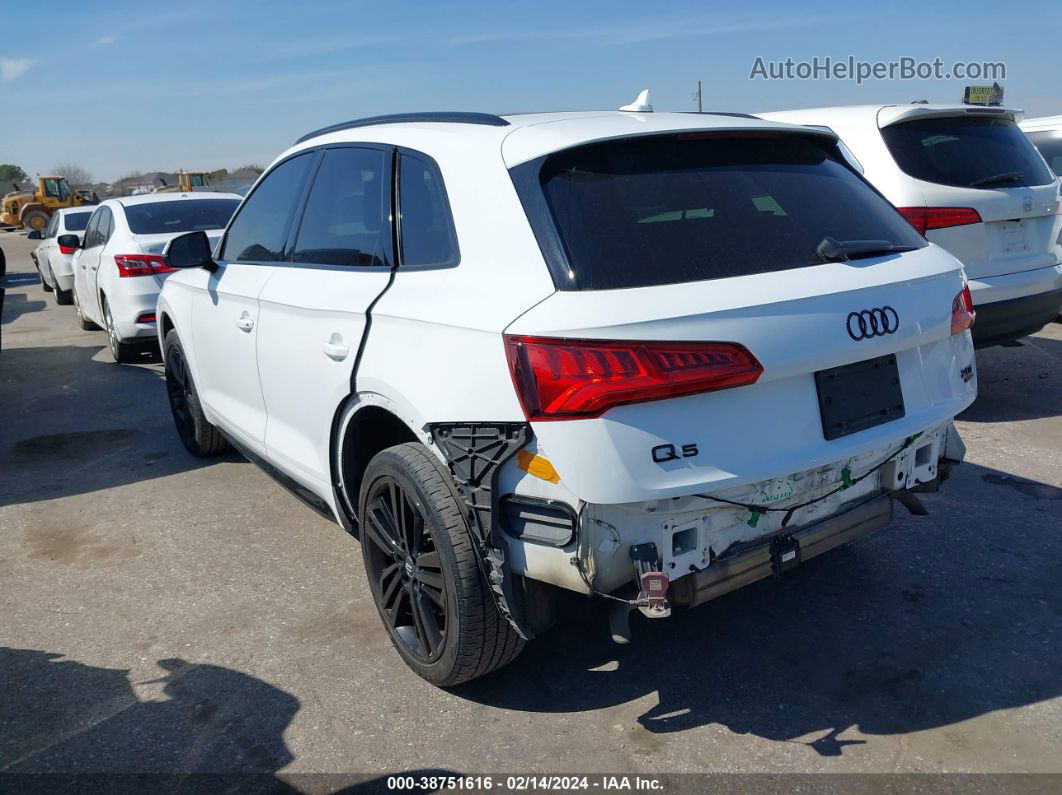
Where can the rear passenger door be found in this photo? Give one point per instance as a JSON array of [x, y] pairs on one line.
[[88, 263], [47, 244], [104, 271], [81, 259], [313, 309]]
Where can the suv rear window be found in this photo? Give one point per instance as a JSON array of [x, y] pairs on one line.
[[966, 152], [697, 206], [184, 215], [1049, 143]]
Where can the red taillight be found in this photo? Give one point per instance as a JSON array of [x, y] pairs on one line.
[[925, 218], [147, 317], [67, 249], [559, 379], [140, 265], [962, 311]]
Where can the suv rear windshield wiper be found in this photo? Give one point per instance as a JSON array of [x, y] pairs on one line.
[[831, 250], [998, 179]]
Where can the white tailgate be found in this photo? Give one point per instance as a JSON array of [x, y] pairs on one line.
[[1020, 230], [794, 322]]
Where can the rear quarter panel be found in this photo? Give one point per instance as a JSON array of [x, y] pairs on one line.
[[434, 349]]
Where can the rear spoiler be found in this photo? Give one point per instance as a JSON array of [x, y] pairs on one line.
[[534, 141], [895, 114]]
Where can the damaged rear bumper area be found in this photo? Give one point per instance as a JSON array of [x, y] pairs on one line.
[[779, 552]]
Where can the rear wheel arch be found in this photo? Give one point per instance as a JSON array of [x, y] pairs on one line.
[[362, 429]]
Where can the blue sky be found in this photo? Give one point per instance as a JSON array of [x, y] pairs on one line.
[[212, 84]]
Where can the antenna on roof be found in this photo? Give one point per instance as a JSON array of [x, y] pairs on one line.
[[640, 104]]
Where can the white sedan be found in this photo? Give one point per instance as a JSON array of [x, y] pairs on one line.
[[118, 268], [55, 262]]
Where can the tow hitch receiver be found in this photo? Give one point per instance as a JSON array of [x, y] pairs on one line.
[[651, 599], [785, 554]]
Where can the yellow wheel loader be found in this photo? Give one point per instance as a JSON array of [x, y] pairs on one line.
[[187, 182], [33, 209]]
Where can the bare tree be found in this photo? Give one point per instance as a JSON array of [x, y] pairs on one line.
[[75, 174]]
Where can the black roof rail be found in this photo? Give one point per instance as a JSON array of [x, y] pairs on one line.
[[449, 117]]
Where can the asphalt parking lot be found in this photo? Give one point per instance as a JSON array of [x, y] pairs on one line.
[[159, 613]]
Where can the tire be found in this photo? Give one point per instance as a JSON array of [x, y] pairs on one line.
[[79, 313], [35, 220], [422, 567], [123, 352], [44, 282], [62, 297], [198, 436]]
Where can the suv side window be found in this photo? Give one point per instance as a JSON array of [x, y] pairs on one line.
[[1049, 143], [426, 224], [52, 226], [260, 228], [346, 215]]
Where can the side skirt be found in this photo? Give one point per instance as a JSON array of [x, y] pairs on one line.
[[303, 494]]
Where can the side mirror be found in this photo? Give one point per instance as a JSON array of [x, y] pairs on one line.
[[36, 234], [190, 250], [69, 241]]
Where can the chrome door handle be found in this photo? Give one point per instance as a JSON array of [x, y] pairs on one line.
[[334, 349], [245, 322]]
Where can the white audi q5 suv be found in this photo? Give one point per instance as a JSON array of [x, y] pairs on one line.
[[646, 356]]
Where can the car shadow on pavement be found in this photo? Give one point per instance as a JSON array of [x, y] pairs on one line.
[[18, 304], [60, 716], [95, 424], [930, 622], [1018, 382]]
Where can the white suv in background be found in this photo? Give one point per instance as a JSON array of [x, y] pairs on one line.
[[118, 268], [640, 355], [54, 261], [1046, 134], [969, 180]]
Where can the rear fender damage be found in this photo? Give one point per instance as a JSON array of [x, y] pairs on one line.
[[474, 454]]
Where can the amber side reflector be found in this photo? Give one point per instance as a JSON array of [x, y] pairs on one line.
[[536, 465]]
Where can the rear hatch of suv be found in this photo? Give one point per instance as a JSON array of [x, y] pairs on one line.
[[733, 306], [989, 197]]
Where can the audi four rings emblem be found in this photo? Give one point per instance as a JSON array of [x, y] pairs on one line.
[[873, 323]]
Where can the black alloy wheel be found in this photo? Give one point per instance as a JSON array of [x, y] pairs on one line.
[[405, 570]]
